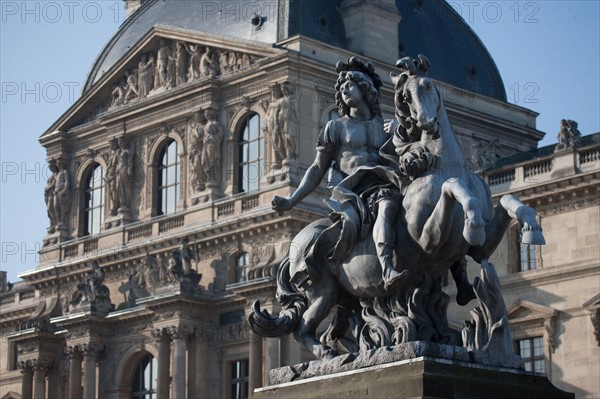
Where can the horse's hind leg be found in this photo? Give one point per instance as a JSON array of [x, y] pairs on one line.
[[530, 229], [322, 296]]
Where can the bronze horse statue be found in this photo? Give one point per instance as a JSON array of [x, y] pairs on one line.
[[446, 214]]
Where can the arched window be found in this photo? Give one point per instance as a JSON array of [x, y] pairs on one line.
[[143, 383], [168, 179], [93, 210], [251, 154], [241, 265]]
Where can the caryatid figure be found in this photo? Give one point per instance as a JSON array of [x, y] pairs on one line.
[[211, 151]]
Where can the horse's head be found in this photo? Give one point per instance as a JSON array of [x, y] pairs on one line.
[[416, 99]]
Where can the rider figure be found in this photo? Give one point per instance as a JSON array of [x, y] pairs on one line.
[[364, 192]]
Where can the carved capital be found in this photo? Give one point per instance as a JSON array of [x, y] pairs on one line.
[[180, 332], [91, 349], [41, 364], [25, 366], [160, 335], [72, 351]]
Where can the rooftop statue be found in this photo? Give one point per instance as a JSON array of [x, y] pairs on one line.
[[405, 210]]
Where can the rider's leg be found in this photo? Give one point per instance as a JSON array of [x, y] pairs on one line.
[[385, 238]]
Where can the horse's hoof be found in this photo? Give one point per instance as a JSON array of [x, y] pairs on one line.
[[533, 237]]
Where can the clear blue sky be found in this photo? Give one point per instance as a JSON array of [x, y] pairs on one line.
[[547, 53]]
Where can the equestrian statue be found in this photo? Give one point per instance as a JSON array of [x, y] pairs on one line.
[[405, 209]]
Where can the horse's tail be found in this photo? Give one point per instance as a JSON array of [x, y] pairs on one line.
[[293, 306]]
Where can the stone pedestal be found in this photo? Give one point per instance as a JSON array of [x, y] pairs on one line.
[[122, 218], [99, 307], [420, 378], [211, 193], [388, 373]]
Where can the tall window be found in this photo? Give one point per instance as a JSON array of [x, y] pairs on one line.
[[239, 379], [241, 264], [168, 178], [94, 201], [251, 152], [532, 352], [143, 384]]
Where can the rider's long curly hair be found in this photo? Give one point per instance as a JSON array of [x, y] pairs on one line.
[[367, 89]]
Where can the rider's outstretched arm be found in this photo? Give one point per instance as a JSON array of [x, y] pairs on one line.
[[311, 180]]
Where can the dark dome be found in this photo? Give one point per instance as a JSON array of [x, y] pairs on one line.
[[457, 55], [434, 29]]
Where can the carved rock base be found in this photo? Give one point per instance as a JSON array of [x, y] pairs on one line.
[[421, 377], [375, 357]]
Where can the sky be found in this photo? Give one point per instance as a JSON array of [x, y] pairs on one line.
[[547, 53]]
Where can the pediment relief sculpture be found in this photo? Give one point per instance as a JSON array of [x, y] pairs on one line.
[[172, 64]]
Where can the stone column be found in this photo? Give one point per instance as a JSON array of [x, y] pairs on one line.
[[201, 371], [255, 367], [179, 336], [26, 380], [285, 349], [271, 357], [74, 371], [39, 379], [90, 352], [164, 364]]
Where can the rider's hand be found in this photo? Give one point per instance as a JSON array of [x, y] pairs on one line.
[[281, 204]]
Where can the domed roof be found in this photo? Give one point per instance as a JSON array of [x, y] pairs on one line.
[[428, 27]]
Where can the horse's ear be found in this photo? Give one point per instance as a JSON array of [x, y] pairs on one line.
[[424, 64], [406, 65]]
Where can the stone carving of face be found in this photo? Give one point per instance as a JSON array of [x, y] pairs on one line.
[[351, 94]]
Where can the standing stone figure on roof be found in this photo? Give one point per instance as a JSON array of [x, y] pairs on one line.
[[145, 75], [132, 92], [208, 63], [180, 63], [195, 51], [568, 136], [163, 54], [118, 93]]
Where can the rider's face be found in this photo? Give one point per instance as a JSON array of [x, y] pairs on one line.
[[351, 93]]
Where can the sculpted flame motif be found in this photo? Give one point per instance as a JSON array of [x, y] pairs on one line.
[[436, 213]]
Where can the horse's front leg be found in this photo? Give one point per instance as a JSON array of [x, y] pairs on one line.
[[322, 296], [438, 226], [531, 231]]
